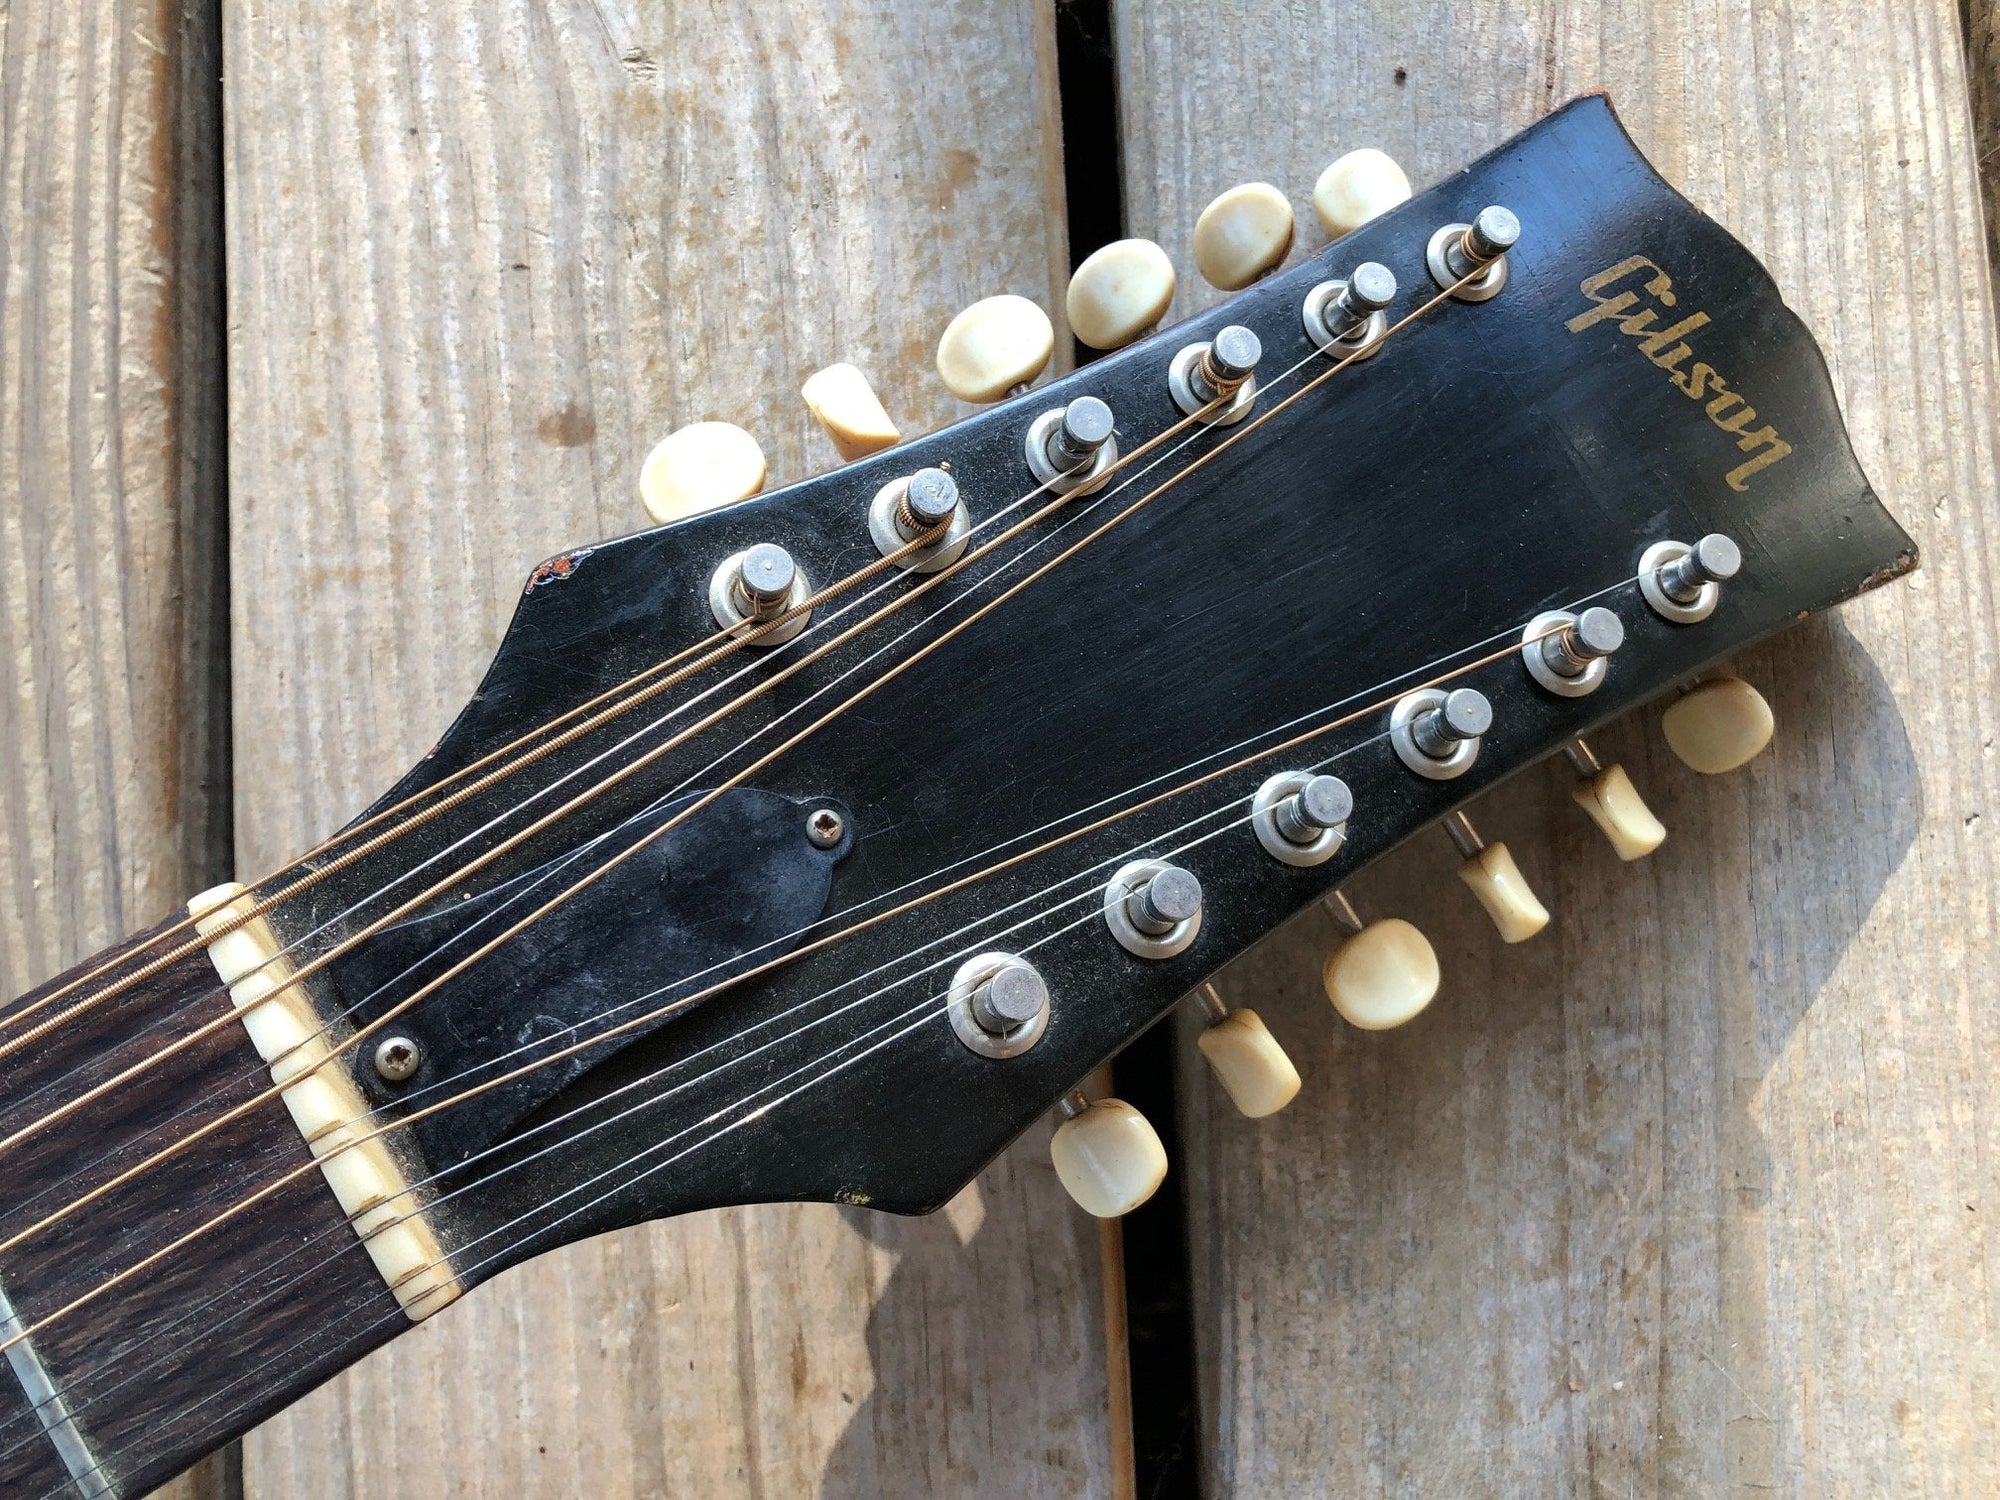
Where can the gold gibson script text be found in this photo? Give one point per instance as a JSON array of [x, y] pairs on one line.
[[1635, 294]]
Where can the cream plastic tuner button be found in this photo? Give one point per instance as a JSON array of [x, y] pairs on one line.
[[1381, 976], [1357, 187], [1241, 235], [1490, 873], [1718, 725], [1119, 292], [700, 467], [1107, 1155], [1245, 1058], [847, 408], [994, 345], [1614, 804]]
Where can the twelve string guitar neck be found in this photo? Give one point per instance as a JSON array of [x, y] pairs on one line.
[[811, 845]]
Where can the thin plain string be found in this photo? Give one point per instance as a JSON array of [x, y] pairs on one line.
[[345, 1228], [823, 942], [987, 917], [709, 797], [316, 964], [926, 1006], [613, 750]]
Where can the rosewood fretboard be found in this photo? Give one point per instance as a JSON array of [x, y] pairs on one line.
[[216, 1336]]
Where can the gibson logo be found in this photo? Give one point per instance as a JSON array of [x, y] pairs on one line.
[[1668, 348]]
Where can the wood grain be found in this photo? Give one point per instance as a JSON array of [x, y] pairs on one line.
[[1982, 69], [481, 258], [1687, 1195], [272, 1296], [110, 735]]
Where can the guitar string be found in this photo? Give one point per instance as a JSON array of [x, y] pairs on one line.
[[732, 639], [826, 941], [952, 936], [655, 1101], [598, 759], [321, 961], [345, 1230], [706, 798], [709, 797], [1007, 563], [929, 1015], [416, 1096], [333, 921]]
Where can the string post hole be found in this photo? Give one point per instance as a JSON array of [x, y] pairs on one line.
[[1682, 582], [1569, 654], [999, 1004], [1349, 318], [1438, 734], [1070, 449], [756, 586], [1221, 370], [1477, 250]]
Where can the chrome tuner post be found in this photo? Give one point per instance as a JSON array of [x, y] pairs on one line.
[[1153, 908], [1437, 734], [1202, 374], [1569, 653], [1347, 318], [1301, 819], [1683, 584], [756, 586], [917, 505], [1457, 251], [1071, 448], [998, 1004]]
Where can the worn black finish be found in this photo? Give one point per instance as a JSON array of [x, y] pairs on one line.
[[1409, 516]]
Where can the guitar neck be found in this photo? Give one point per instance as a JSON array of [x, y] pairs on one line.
[[119, 1392]]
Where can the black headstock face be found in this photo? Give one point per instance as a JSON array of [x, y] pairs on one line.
[[1285, 581]]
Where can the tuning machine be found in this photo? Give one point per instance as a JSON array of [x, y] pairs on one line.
[[1107, 1155], [1358, 187], [756, 586], [995, 347], [1346, 317], [1245, 1058], [1119, 293], [849, 412], [1383, 973], [1241, 235], [700, 467], [1718, 725], [1606, 793], [1490, 873], [914, 506], [1477, 250]]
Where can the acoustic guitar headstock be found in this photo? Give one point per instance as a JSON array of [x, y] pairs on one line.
[[844, 829]]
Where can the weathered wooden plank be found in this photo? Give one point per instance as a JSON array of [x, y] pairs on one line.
[[481, 258], [110, 741], [1982, 70], [1686, 1196]]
